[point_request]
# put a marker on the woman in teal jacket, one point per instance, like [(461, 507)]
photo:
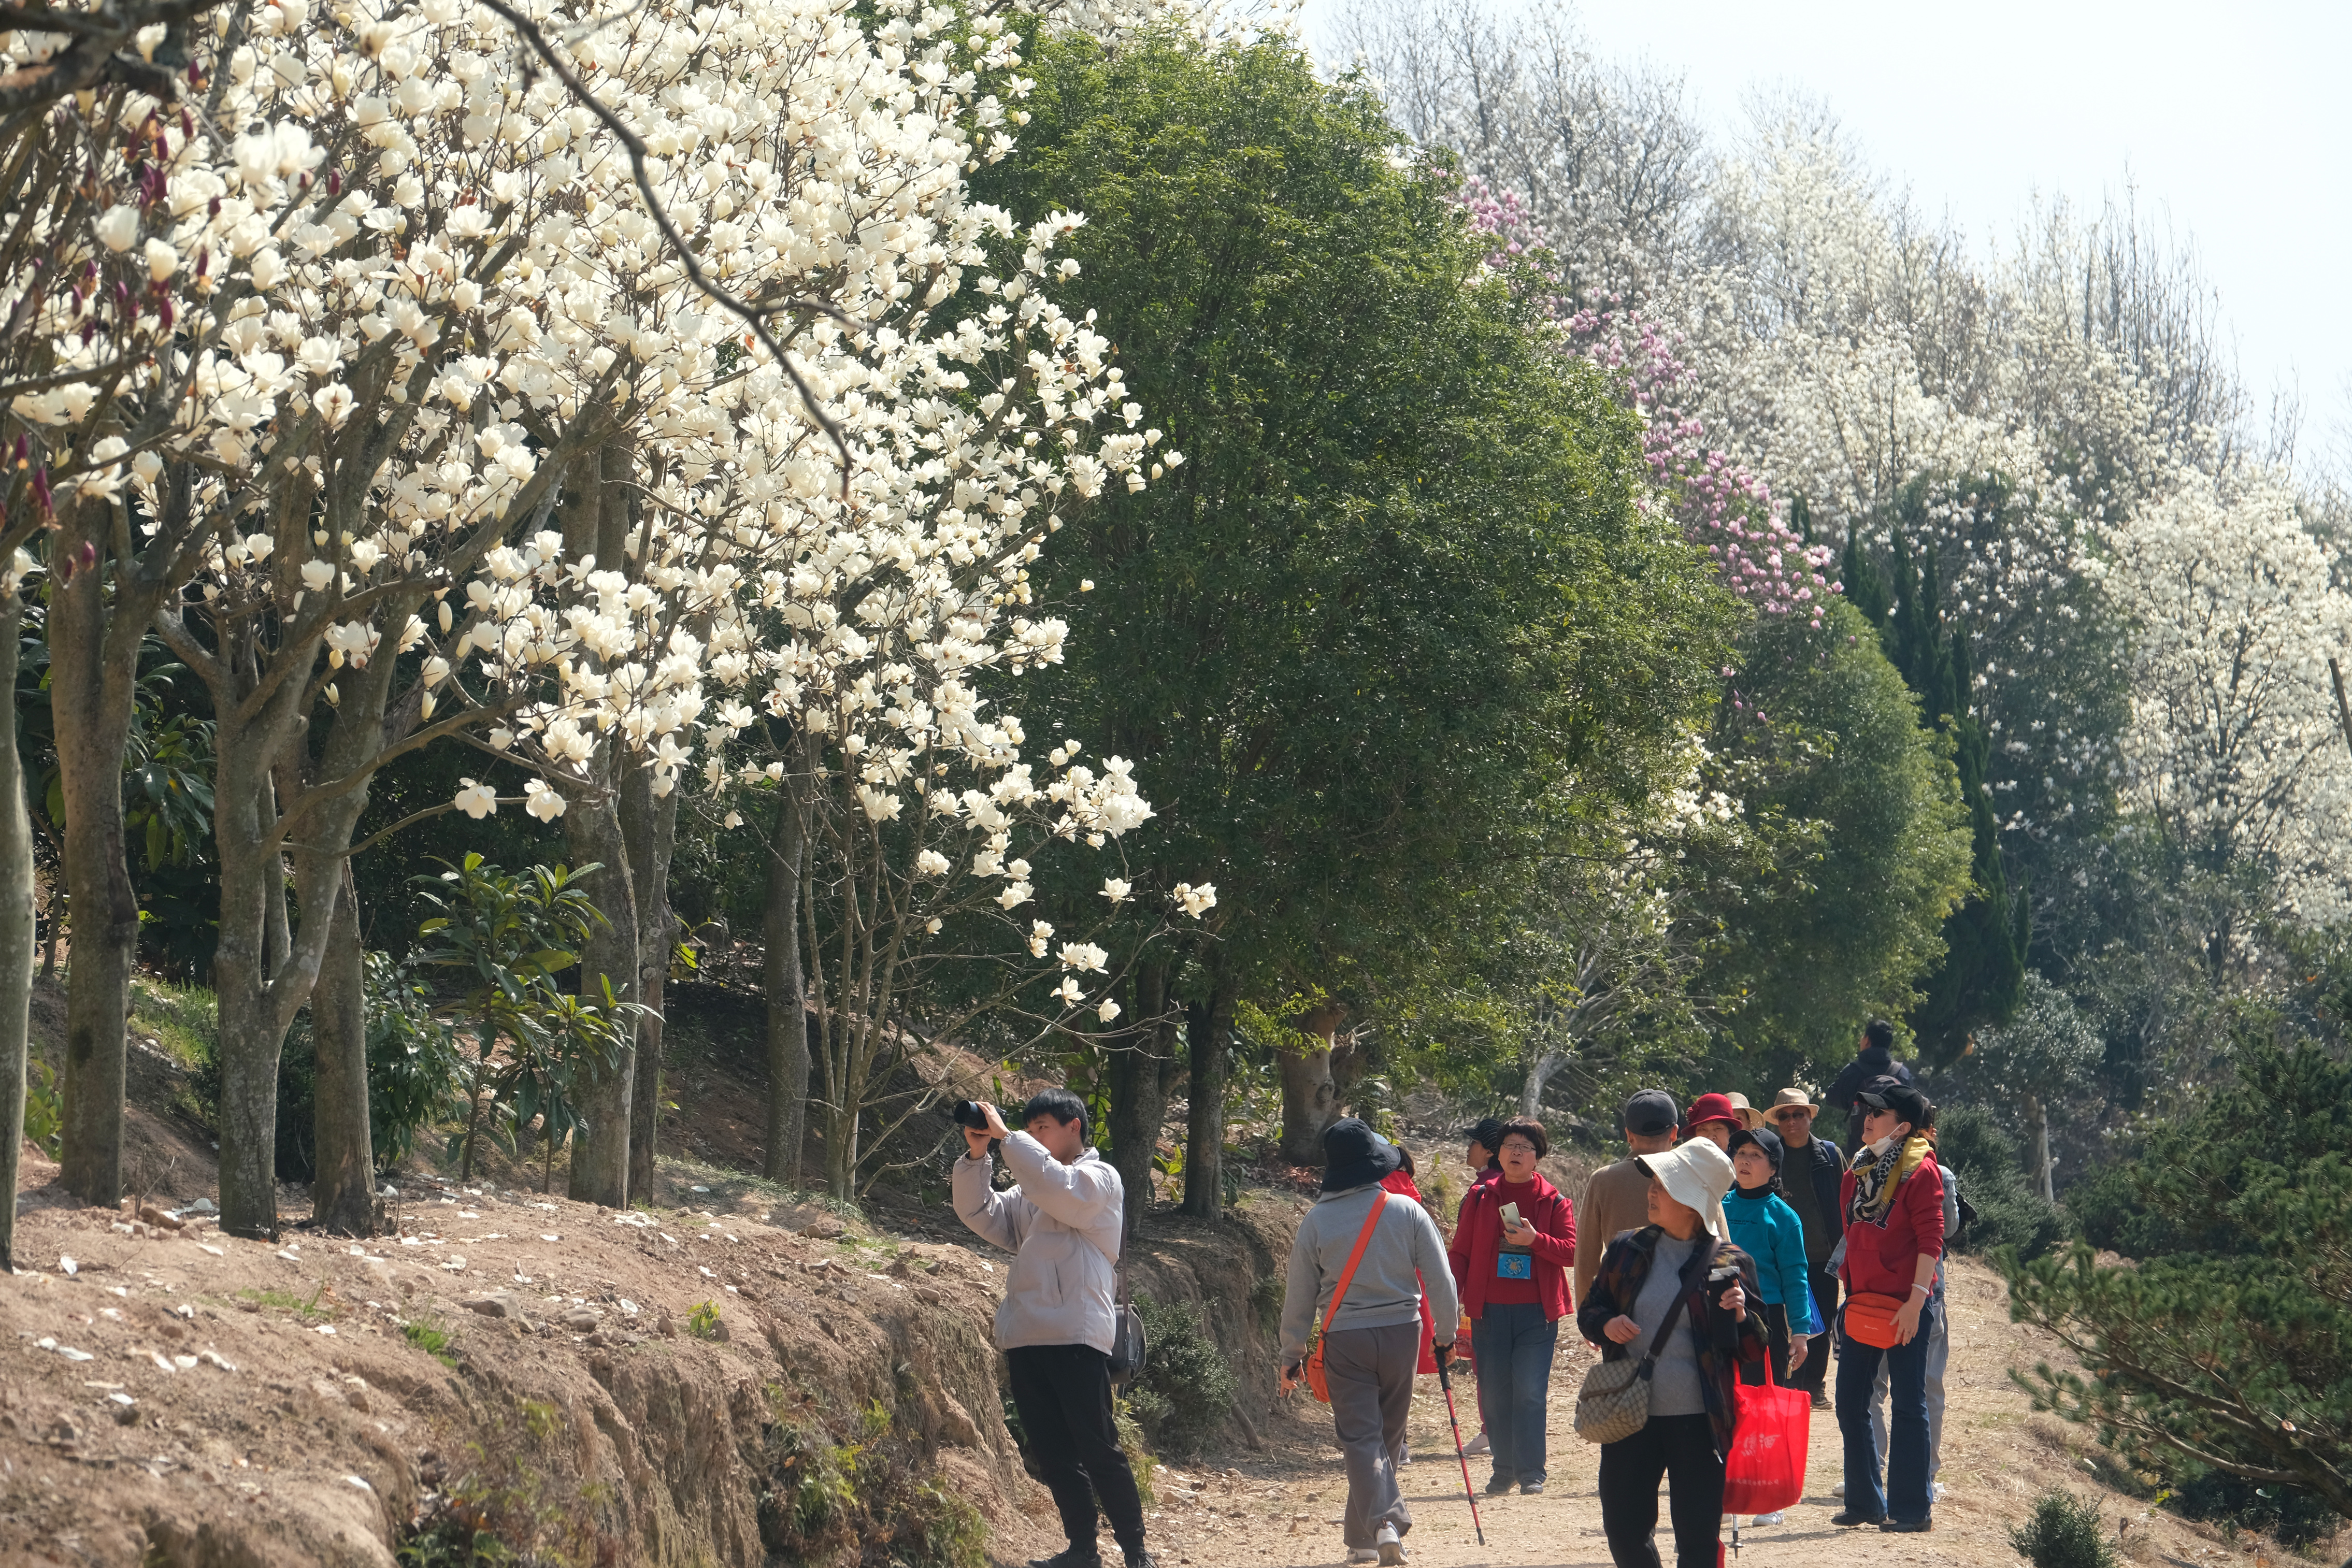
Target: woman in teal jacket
[(1764, 1226)]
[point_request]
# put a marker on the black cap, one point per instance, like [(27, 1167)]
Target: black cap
[(1764, 1138), (1355, 1156), (1893, 1095), (1486, 1132), (1651, 1113)]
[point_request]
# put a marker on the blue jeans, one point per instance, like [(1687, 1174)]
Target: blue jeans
[(1513, 1343), (1905, 1497)]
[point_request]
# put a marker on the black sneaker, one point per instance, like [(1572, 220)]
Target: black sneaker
[(1498, 1485), (1846, 1520), (1908, 1526), (1141, 1560), (1068, 1557), (1531, 1489)]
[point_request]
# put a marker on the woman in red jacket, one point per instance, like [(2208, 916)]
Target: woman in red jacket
[(1894, 1204), (1512, 1272)]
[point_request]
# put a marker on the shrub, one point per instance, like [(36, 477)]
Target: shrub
[(861, 1501), (2064, 1533), (2009, 1212), (1188, 1386), (2291, 1515)]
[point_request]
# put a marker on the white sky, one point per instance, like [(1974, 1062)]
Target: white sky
[(2231, 120)]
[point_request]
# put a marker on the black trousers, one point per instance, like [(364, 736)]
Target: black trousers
[(1682, 1447), (1063, 1392), (1825, 1307)]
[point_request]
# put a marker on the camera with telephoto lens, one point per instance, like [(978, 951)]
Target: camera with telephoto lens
[(973, 1114)]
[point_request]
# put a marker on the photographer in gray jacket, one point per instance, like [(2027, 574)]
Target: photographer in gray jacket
[(1062, 1223), (1371, 1345)]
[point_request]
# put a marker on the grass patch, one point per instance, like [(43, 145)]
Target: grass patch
[(183, 1020), (433, 1340), (860, 1497), (308, 1309)]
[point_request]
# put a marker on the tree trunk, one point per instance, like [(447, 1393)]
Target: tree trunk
[(93, 671), (1206, 1025), (1310, 1099), (780, 975), (2037, 1119), (343, 1195), (1539, 1071), (600, 1154), (16, 928), (649, 828), (1139, 1090), (840, 1114)]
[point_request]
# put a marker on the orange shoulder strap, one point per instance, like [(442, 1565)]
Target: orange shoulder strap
[(1363, 1240)]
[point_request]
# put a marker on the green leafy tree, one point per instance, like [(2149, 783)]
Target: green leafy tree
[(1985, 938), (2226, 1345), (2046, 1056), (1400, 619), (517, 933), (1826, 737)]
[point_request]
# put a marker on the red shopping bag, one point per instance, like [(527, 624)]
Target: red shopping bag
[(1767, 1467)]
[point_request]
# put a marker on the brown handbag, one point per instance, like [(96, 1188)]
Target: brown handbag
[(1614, 1402), (1315, 1381)]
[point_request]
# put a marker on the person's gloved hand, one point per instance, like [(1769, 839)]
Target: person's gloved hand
[(1443, 1354)]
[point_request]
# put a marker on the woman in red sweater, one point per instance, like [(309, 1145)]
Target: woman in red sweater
[(1894, 1204), (1512, 1273)]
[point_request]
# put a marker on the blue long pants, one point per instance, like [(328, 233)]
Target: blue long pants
[(1514, 1342)]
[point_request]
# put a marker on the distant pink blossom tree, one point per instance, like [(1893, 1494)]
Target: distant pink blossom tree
[(1721, 504)]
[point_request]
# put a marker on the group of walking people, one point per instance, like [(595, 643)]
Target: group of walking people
[(1728, 1246), (1725, 1248)]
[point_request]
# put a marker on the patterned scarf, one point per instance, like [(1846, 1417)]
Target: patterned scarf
[(1875, 1177)]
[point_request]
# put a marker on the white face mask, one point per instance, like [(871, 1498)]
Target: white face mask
[(1877, 1149)]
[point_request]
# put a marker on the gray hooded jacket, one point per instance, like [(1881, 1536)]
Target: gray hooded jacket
[(1062, 1224)]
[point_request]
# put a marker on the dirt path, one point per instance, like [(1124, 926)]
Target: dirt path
[(1283, 1513)]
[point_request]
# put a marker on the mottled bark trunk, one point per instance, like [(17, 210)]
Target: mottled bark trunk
[(1539, 1071), (600, 1154), (649, 826), (93, 679), (16, 928), (1311, 1091), (840, 1118), (1207, 1024), (788, 1024), (343, 1195), (1138, 1089)]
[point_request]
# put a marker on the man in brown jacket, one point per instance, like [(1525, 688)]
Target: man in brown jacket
[(1617, 1197)]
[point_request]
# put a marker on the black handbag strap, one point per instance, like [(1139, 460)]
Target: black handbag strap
[(1681, 1296)]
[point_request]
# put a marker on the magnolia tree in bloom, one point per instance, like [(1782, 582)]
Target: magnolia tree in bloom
[(1723, 506), (454, 439), (2234, 747)]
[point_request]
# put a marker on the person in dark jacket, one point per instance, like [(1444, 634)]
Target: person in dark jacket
[(1812, 1169), (1875, 1061), (1694, 1402)]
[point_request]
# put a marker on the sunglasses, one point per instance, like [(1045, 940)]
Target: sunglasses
[(1793, 1115)]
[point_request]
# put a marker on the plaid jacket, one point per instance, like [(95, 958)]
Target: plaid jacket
[(1723, 1342)]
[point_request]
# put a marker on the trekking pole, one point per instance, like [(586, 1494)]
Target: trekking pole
[(1445, 1381)]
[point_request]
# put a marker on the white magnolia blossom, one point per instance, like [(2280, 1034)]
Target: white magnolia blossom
[(2235, 744)]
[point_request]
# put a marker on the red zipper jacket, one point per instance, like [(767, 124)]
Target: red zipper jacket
[(1480, 1236), (1882, 1259)]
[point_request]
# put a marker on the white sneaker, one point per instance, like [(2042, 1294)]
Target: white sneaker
[(1361, 1555), (1936, 1492), (1404, 1458), (1477, 1444), (1774, 1517), (1387, 1547)]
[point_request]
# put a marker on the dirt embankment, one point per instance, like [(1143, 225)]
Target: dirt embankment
[(661, 1387)]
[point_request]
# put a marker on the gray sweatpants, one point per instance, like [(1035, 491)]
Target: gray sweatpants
[(1937, 1327), (1369, 1373)]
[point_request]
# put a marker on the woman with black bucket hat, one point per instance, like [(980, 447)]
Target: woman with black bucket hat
[(1360, 1259)]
